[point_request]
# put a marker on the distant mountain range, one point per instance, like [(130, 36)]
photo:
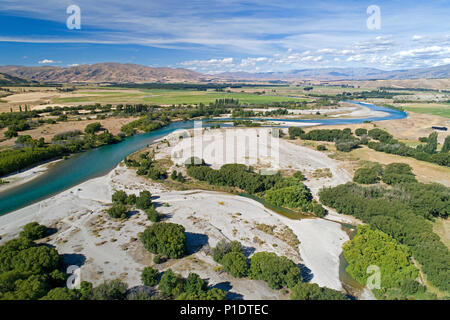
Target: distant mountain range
[(6, 79), (440, 72), (102, 72), (133, 73)]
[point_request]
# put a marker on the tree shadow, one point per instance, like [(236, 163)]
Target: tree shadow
[(145, 292), (195, 241), (306, 273), (70, 259), (234, 296), (50, 232), (248, 251), (226, 286), (132, 213)]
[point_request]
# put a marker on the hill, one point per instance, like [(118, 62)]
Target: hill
[(6, 79), (441, 72), (102, 72)]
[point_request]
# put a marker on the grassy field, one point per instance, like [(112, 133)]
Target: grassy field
[(437, 109), (168, 97)]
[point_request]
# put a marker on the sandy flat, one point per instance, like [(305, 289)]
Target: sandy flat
[(17, 179), (207, 217)]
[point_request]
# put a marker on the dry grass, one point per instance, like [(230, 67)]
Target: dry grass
[(48, 131), (425, 172), (322, 173), (285, 234), (442, 228)]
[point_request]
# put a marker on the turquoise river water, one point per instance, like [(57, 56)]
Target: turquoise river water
[(97, 162)]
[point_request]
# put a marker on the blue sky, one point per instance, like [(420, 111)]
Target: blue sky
[(227, 35)]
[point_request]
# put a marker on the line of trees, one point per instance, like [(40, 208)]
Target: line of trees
[(401, 213), (374, 247), (280, 191), (277, 271)]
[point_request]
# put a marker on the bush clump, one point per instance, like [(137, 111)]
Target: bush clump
[(165, 238)]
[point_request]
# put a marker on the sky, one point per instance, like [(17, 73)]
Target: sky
[(213, 36)]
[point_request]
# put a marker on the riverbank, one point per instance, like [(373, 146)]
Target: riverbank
[(107, 248), (17, 179)]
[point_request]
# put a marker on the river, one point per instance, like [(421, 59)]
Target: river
[(97, 162)]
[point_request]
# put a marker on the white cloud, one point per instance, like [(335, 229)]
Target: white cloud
[(416, 37), (46, 61)]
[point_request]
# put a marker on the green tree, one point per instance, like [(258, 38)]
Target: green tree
[(118, 211), (110, 290), (277, 271), (37, 260), (131, 199), (119, 196), (223, 247), (366, 176), (144, 201), (165, 238), (432, 143), (195, 284), (446, 146), (61, 294), (149, 276), (292, 197), (152, 214), (93, 128), (236, 264), (312, 291), (373, 247), (171, 284), (33, 231), (360, 131)]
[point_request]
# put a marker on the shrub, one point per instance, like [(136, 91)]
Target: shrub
[(195, 285), (165, 238), (119, 197), (299, 176), (380, 135), (152, 214), (149, 276), (366, 176), (321, 147), (155, 173), (312, 291), (277, 271), (360, 131), (110, 290), (235, 263), (295, 132), (395, 173), (144, 201), (118, 211), (131, 199), (171, 284), (347, 145), (223, 247), (157, 259), (92, 127), (33, 231), (293, 197), (318, 210), (373, 247), (61, 294)]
